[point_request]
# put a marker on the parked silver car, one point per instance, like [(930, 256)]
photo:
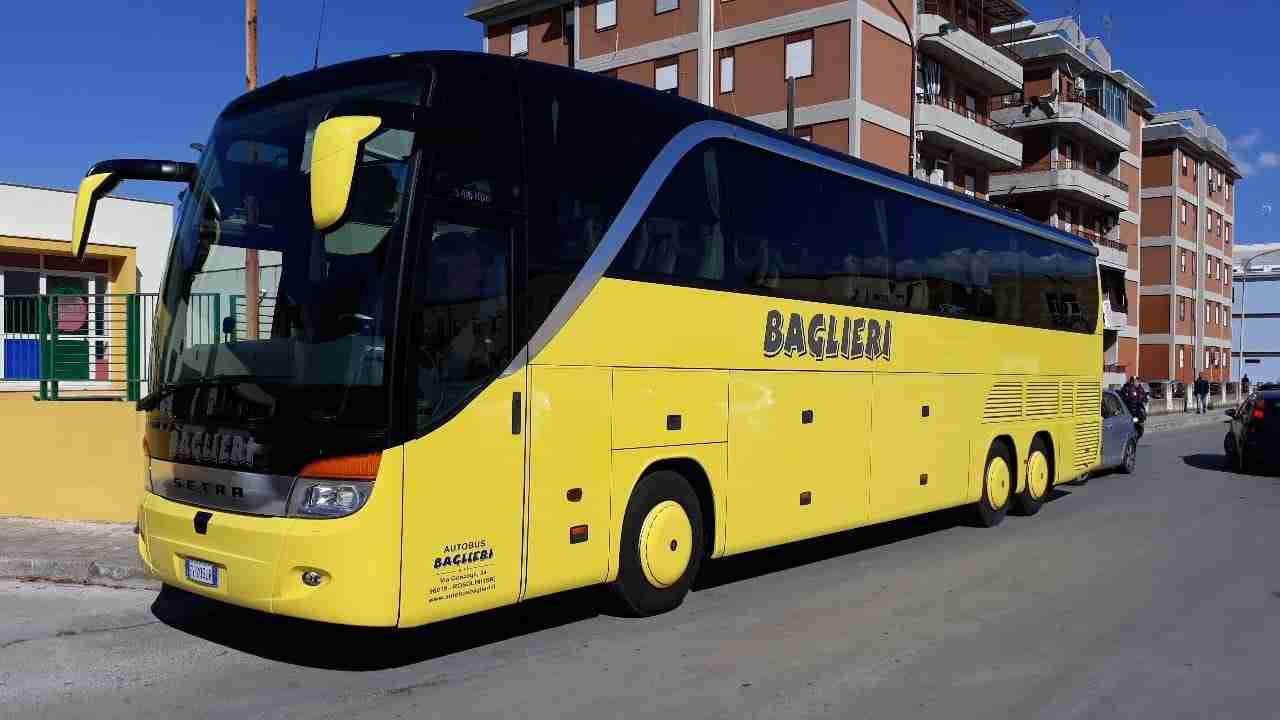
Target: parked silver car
[(1119, 434)]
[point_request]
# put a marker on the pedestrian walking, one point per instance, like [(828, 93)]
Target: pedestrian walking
[(1202, 393)]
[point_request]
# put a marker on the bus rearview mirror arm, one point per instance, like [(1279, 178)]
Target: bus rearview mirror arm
[(103, 177)]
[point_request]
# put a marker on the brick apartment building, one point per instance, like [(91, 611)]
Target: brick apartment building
[(1080, 122), (1031, 115), (1188, 216), (851, 60)]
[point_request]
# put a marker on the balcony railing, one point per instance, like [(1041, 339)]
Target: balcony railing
[(1114, 368), (944, 9), (1018, 99), (955, 107), (1008, 100), (1113, 244), (1074, 165)]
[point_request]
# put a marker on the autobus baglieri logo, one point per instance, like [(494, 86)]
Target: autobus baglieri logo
[(827, 336)]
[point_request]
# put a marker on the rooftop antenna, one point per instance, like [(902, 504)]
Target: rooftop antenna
[(315, 63)]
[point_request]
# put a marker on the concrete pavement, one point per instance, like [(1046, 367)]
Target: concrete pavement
[(1152, 595)]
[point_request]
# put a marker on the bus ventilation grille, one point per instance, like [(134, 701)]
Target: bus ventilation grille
[(1042, 399), (1088, 399), (1088, 436), (1004, 402)]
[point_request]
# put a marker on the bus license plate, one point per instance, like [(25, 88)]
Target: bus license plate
[(205, 573)]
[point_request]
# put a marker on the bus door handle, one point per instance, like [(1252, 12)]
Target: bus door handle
[(517, 417)]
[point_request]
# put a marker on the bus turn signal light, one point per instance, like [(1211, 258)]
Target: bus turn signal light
[(346, 467)]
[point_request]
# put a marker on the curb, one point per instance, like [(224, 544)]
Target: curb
[(81, 573), (1178, 421)]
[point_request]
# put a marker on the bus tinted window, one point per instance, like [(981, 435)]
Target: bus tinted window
[(588, 142), (812, 234)]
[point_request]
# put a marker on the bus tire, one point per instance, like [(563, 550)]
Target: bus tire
[(662, 545), (1039, 478), (997, 486)]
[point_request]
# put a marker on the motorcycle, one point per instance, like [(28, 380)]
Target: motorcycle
[(1139, 414)]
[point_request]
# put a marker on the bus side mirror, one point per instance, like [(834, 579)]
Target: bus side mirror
[(92, 188), (334, 153), (103, 177)]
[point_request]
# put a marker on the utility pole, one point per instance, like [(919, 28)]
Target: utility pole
[(251, 270)]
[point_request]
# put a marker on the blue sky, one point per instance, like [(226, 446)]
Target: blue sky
[(85, 81)]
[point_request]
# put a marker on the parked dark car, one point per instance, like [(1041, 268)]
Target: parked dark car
[(1119, 434), (1253, 439)]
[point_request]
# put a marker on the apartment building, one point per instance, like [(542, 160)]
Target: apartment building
[(1188, 220), (1255, 325), (1080, 122), (851, 60)]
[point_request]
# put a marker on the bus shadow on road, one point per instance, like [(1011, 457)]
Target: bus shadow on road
[(753, 564), (341, 647)]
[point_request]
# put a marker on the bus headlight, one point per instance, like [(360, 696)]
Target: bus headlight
[(328, 498), (334, 487)]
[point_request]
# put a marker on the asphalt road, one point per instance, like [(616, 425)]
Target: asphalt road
[(1154, 595)]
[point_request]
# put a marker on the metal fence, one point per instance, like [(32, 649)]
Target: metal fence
[(64, 345)]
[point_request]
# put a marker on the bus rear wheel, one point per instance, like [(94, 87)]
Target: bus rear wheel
[(997, 486), (1039, 478), (662, 545)]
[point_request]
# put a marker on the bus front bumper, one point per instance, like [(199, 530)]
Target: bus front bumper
[(260, 562)]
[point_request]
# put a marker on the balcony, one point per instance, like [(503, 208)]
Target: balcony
[(1114, 319), (1076, 113), (943, 123), (1074, 179), (967, 49)]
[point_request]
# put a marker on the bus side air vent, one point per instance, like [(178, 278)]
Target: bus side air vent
[(1042, 398), (1088, 399), (1004, 402), (1087, 438)]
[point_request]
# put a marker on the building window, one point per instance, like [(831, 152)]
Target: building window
[(800, 57), (1183, 207), (606, 14), (665, 6), (667, 77), (520, 39), (1182, 261), (726, 71), (970, 183), (1184, 164), (1180, 363), (1182, 308)]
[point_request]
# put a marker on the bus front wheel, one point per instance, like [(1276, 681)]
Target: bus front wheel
[(662, 545), (998, 482)]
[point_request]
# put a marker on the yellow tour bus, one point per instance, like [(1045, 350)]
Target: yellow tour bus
[(489, 329)]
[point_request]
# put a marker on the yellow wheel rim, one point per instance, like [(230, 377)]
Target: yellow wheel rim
[(997, 483), (1037, 475), (666, 543)]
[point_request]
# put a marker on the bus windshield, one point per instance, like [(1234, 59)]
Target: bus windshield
[(308, 338)]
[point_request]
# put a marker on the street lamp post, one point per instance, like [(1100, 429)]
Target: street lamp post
[(911, 82)]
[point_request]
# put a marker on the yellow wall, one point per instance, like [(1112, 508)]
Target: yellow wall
[(70, 460)]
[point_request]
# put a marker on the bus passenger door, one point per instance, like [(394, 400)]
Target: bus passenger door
[(464, 484)]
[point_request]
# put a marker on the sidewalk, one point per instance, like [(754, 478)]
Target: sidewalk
[(78, 552), (1178, 420)]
